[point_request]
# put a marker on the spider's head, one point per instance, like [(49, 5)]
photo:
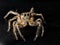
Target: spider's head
[(26, 15)]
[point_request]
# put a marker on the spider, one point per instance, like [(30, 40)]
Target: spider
[(24, 19)]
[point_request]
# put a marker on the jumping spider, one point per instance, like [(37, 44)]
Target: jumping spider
[(22, 20)]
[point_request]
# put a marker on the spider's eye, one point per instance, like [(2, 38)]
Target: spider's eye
[(28, 14), (25, 14)]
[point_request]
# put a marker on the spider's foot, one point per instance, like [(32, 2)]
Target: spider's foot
[(4, 17), (16, 38), (8, 30), (34, 39), (24, 40), (41, 35)]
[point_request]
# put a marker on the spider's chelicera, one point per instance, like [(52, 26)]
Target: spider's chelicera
[(22, 20)]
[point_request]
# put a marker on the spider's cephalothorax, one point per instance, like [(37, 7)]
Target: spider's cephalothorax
[(22, 20)]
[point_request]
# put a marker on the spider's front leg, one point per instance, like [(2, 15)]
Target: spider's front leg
[(11, 12), (38, 22), (20, 33)]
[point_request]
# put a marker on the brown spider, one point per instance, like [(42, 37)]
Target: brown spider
[(22, 20)]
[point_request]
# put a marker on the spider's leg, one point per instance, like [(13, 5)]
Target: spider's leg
[(20, 33), (42, 31), (40, 15), (32, 10), (11, 12), (9, 23), (38, 30), (14, 30), (37, 33)]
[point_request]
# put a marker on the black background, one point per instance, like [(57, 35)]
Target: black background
[(51, 12)]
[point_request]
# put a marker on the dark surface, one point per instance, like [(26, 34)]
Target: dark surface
[(49, 9)]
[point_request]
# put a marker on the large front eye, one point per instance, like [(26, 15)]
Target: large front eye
[(28, 14), (25, 14)]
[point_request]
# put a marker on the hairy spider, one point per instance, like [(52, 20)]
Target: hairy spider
[(22, 20)]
